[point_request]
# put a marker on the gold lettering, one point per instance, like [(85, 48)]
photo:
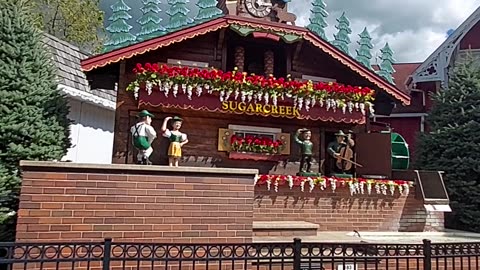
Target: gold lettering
[(231, 105), (282, 110), (265, 110), (250, 108), (258, 108), (296, 113), (242, 106), (289, 110), (225, 105), (274, 110)]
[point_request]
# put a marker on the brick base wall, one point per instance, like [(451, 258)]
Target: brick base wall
[(339, 211), (130, 203)]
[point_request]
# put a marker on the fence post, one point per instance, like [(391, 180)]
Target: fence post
[(427, 254), (297, 253), (107, 250)]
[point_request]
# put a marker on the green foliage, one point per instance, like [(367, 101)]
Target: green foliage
[(318, 17), (386, 67), (178, 12), (33, 112), (342, 39), (208, 10), (363, 53), (453, 142), (150, 21), (79, 22), (119, 29)]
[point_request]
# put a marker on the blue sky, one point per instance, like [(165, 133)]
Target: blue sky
[(413, 28)]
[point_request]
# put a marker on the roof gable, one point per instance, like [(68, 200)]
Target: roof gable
[(226, 21)]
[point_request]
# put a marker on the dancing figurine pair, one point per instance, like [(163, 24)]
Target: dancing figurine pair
[(143, 135)]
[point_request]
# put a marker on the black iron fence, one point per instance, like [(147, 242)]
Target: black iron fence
[(295, 255)]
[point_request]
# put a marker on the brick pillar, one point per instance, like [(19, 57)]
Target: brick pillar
[(240, 58), (269, 60)]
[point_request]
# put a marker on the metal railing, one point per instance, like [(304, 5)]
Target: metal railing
[(108, 255)]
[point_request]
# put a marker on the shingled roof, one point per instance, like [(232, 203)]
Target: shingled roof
[(72, 80)]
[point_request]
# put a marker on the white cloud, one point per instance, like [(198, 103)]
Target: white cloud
[(414, 29)]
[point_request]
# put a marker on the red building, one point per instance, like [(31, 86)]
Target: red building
[(422, 79)]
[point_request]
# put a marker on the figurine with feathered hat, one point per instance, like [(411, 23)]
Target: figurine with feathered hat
[(143, 135), (177, 139)]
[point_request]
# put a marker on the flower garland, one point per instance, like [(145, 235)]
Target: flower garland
[(255, 145), (241, 86), (355, 185)]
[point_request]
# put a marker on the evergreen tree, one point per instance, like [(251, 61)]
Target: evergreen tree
[(342, 39), (386, 67), (318, 18), (33, 112), (453, 142), (119, 29), (208, 10), (363, 53), (150, 21), (178, 15)]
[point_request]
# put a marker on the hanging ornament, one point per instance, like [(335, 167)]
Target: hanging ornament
[(350, 106), (369, 188), (321, 103), (328, 104), (351, 187), (222, 93), (333, 184), (266, 97), (189, 91), (274, 100), (290, 181), (149, 86), (243, 96), (392, 189), (295, 98), (300, 103), (356, 106), (344, 109), (184, 88), (237, 93), (206, 86), (135, 92), (259, 96), (282, 96), (175, 90), (362, 108), (314, 101), (228, 94), (249, 97), (166, 89), (199, 91), (312, 184), (362, 187), (307, 104)]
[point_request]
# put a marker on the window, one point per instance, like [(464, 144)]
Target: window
[(256, 132)]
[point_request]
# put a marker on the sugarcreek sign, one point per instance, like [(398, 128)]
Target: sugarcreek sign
[(212, 103), (263, 109)]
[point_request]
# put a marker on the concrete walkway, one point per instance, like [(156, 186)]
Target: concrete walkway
[(448, 236)]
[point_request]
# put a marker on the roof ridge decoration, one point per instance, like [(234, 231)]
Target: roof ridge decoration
[(208, 10), (364, 54), (435, 67), (150, 21), (247, 30), (318, 17), (178, 13), (342, 38), (386, 67), (119, 29)]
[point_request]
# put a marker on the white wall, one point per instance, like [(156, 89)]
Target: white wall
[(91, 133)]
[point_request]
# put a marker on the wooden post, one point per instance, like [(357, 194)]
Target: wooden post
[(240, 58)]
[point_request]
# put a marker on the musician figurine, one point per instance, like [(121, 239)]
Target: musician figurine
[(143, 135), (341, 150), (177, 139), (303, 138)]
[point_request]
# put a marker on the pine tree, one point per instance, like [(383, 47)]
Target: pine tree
[(363, 53), (178, 15), (453, 142), (33, 112), (150, 21), (386, 67), (317, 19), (208, 10), (119, 29), (342, 39)]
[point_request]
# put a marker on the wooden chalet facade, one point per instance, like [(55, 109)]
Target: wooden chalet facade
[(252, 46)]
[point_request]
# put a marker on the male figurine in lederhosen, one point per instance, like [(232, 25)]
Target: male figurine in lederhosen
[(306, 147), (143, 135)]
